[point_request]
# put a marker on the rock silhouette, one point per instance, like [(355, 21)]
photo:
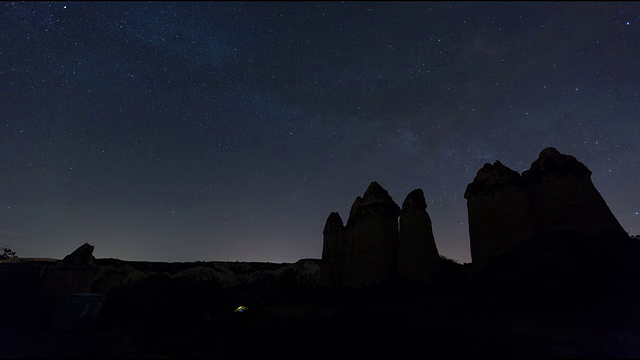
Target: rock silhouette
[(565, 200), (380, 250), (334, 251), (74, 274), (418, 257), (372, 240), (555, 196), (499, 212), (548, 239)]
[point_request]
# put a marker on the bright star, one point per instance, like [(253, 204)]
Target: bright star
[(628, 23)]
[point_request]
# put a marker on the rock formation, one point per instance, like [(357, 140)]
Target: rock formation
[(499, 211), (74, 274), (555, 196), (375, 249), (372, 240), (418, 257), (564, 199), (334, 248)]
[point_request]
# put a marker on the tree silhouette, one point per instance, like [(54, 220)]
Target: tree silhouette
[(7, 253)]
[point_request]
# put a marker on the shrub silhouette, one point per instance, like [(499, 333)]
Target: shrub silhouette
[(7, 253)]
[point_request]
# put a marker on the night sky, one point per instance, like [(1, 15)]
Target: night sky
[(211, 131)]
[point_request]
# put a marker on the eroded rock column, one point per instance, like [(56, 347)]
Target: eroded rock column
[(418, 257), (334, 249), (564, 198), (372, 240), (499, 212)]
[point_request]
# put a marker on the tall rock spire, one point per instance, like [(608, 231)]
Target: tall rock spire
[(499, 212), (333, 252), (418, 257), (372, 240)]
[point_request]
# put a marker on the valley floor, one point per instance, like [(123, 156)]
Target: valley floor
[(422, 327)]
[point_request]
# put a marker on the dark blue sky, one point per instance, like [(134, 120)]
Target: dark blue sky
[(184, 131)]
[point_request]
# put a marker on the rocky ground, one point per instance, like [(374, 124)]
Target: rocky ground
[(162, 315), (390, 330)]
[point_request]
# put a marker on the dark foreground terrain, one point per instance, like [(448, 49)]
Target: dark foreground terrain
[(395, 328), (568, 308)]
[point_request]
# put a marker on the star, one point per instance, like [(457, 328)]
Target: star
[(164, 99)]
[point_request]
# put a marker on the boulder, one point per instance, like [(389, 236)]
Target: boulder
[(80, 258), (74, 274)]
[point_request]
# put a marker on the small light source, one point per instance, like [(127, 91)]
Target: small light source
[(241, 309), (628, 23)]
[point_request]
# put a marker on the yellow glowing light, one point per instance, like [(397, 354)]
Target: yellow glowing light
[(241, 308)]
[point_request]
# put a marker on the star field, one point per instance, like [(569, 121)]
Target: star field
[(184, 131)]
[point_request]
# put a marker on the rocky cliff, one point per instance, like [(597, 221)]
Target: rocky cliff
[(564, 199), (554, 196)]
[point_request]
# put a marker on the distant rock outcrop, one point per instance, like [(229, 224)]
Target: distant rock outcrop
[(372, 238), (555, 196), (74, 274), (499, 211), (334, 251), (307, 272), (204, 274), (112, 277), (418, 257)]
